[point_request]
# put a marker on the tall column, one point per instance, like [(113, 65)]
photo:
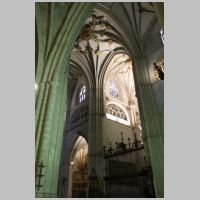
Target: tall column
[(43, 143), (151, 124), (95, 143), (58, 25)]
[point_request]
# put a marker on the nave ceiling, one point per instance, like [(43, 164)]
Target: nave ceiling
[(113, 28)]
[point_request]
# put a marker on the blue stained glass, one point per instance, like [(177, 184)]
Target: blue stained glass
[(82, 94)]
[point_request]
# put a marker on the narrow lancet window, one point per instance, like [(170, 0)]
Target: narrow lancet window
[(82, 94), (162, 34)]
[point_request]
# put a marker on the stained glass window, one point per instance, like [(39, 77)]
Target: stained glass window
[(82, 94), (114, 92)]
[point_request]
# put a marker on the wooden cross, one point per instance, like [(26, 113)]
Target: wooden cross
[(40, 175)]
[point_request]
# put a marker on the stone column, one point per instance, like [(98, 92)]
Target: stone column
[(95, 143), (47, 143), (57, 32), (151, 125)]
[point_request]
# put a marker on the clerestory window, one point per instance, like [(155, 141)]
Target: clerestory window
[(162, 35), (82, 94), (114, 92)]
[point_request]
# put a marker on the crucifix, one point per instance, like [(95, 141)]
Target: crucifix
[(40, 175)]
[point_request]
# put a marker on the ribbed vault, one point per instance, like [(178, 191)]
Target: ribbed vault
[(113, 28)]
